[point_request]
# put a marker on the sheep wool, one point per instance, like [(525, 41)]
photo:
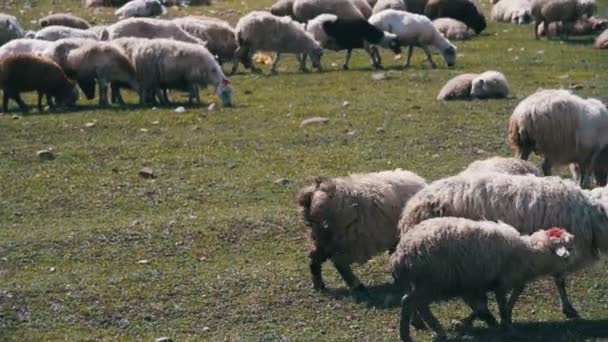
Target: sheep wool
[(512, 11), (64, 19), (53, 33), (304, 10), (510, 166), (382, 5), (458, 88), (463, 10), (218, 34), (150, 28), (10, 28), (601, 42), (453, 29), (141, 8)]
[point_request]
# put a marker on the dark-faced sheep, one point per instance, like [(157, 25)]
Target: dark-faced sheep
[(22, 73), (354, 218), (447, 257), (463, 10), (63, 19)]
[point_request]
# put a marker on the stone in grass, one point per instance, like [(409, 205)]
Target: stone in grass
[(211, 107), (180, 109), (378, 76), (47, 154), (147, 173), (282, 181), (313, 120)]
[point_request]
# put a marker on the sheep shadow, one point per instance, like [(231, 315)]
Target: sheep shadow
[(381, 296), (554, 331)]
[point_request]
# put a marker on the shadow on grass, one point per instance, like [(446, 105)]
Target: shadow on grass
[(554, 331), (383, 296)]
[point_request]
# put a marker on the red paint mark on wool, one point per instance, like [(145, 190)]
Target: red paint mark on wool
[(556, 232)]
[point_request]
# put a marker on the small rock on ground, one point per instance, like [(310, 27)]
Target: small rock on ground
[(147, 172), (46, 154), (282, 181), (313, 120)]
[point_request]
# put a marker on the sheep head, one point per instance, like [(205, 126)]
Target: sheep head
[(315, 57), (224, 92), (558, 240)]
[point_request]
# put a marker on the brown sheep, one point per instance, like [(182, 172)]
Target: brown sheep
[(61, 19), (21, 73), (463, 10)]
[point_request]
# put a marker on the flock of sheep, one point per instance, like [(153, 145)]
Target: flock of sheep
[(525, 225)]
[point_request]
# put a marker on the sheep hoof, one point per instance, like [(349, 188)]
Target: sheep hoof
[(319, 287), (306, 70), (378, 66), (571, 313), (438, 338), (345, 67)]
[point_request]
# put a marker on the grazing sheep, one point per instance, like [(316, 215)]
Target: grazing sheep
[(151, 29), (581, 27), (510, 166), (453, 29), (141, 8), (415, 30), (164, 63), (512, 11), (20, 73), (447, 257), (263, 31), (354, 218), (218, 34), (337, 34), (382, 5), (548, 11), (304, 10), (528, 203), (63, 19), (53, 33), (562, 127), (463, 10), (601, 42), (9, 29)]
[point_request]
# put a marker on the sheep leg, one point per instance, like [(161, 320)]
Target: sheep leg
[(316, 262), (5, 99), (373, 53), (503, 309), (115, 94), (427, 51), (479, 305), (428, 317), (40, 95), (409, 56), (536, 25), (513, 299), (21, 104), (546, 166), (276, 61), (588, 168), (349, 277), (347, 61), (49, 101), (408, 307), (103, 92), (303, 62), (601, 177), (235, 65), (378, 58), (567, 307)]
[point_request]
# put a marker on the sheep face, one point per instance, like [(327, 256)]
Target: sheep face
[(558, 240), (449, 55), (521, 17), (391, 41), (69, 98), (315, 57), (224, 92), (478, 23)]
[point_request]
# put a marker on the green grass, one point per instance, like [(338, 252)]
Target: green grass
[(226, 250)]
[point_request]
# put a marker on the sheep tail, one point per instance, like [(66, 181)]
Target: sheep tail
[(305, 196), (515, 138)]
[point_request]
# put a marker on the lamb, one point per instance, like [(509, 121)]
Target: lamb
[(601, 42), (63, 19), (354, 218), (141, 8), (458, 88), (509, 166), (263, 31), (439, 259), (526, 202), (218, 35), (463, 10), (53, 33), (151, 29), (512, 11), (581, 27), (9, 29), (164, 63), (453, 29), (337, 34), (562, 127), (382, 5), (546, 12), (489, 84), (19, 73), (415, 30)]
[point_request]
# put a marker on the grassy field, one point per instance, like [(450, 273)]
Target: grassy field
[(212, 248)]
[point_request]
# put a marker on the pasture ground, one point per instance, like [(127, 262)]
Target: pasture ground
[(212, 248)]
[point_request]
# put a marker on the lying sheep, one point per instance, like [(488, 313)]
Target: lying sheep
[(164, 63), (581, 27), (463, 10), (354, 218), (305, 10), (382, 5), (218, 34), (336, 34), (415, 30), (490, 85), (21, 73), (449, 257), (601, 42), (453, 29), (53, 33), (512, 11), (151, 29), (528, 203), (458, 88), (9, 29), (560, 126), (510, 166), (63, 19), (546, 12), (141, 8), (263, 31)]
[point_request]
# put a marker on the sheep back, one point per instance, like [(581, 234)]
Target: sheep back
[(490, 84), (304, 10), (453, 29), (463, 10), (511, 166), (151, 29), (512, 11), (218, 35), (601, 42), (53, 33), (63, 19), (458, 88), (282, 8), (382, 5)]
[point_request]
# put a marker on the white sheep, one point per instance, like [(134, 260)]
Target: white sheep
[(382, 5), (415, 30), (150, 28), (562, 127), (526, 202), (601, 42), (53, 33), (263, 31), (548, 11), (512, 11), (164, 63), (489, 84), (354, 218), (304, 10), (511, 166), (447, 257), (141, 8), (10, 28), (24, 46), (453, 29)]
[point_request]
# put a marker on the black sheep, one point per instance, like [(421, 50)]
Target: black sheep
[(463, 10)]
